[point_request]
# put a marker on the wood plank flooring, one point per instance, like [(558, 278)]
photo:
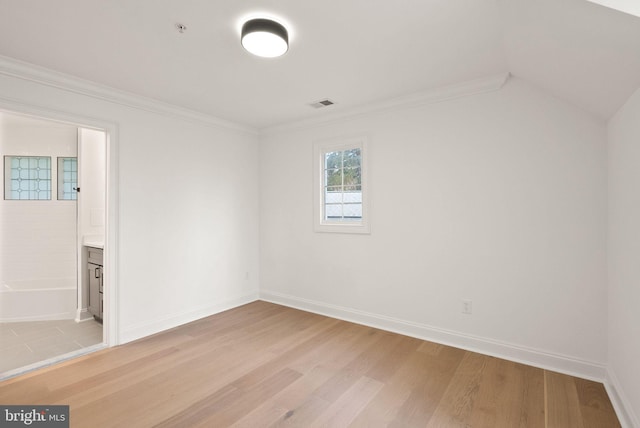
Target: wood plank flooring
[(263, 365)]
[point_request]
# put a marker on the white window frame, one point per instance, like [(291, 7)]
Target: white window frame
[(320, 148)]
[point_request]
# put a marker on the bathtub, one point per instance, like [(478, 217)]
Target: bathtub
[(38, 300)]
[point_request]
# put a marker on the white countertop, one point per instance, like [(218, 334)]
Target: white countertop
[(93, 241)]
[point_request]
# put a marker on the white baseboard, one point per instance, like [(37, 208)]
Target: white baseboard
[(150, 327), (533, 357), (628, 419), (83, 315)]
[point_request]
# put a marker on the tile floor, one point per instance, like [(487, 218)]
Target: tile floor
[(25, 343)]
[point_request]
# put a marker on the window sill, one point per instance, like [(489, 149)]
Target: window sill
[(362, 229)]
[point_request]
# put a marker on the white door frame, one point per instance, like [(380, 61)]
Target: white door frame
[(111, 334)]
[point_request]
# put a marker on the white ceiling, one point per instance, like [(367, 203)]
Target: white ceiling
[(354, 52)]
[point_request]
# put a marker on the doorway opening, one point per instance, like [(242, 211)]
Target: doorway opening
[(53, 230)]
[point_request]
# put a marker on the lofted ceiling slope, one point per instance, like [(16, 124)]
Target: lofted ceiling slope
[(354, 52)]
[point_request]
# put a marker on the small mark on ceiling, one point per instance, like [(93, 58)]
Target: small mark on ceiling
[(322, 103)]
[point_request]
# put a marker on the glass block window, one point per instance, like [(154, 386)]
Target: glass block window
[(340, 186), (67, 179), (27, 178)]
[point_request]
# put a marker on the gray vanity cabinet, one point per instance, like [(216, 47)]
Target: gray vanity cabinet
[(96, 275)]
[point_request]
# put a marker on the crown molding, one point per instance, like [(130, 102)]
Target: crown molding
[(30, 72), (431, 96), (33, 73)]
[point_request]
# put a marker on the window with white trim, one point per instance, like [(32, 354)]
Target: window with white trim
[(27, 178), (340, 186)]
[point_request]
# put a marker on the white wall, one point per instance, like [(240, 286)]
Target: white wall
[(92, 172), (37, 238), (189, 218), (188, 203), (624, 255), (499, 198)]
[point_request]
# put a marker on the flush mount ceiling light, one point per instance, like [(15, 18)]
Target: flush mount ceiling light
[(265, 38)]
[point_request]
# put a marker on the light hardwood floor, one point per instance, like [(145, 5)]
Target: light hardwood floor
[(267, 365)]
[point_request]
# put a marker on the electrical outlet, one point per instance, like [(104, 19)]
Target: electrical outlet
[(467, 307)]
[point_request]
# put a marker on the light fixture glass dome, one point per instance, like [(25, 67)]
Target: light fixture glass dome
[(265, 38)]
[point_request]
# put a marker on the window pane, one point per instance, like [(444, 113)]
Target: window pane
[(352, 176), (67, 179), (352, 197), (333, 160), (333, 211), (27, 178), (333, 177), (352, 158), (343, 185), (353, 211), (333, 195)]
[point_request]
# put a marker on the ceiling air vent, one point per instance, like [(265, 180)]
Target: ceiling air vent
[(322, 103)]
